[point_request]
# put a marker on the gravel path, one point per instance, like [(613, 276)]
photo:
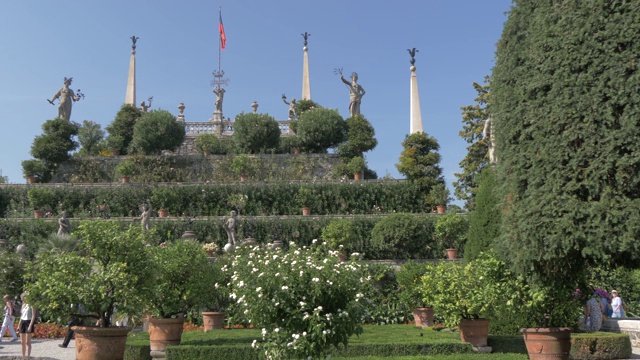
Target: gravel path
[(41, 349)]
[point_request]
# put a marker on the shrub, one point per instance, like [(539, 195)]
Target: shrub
[(409, 283), (450, 230), (243, 165), (34, 168), (211, 143), (121, 128), (339, 234), (360, 137), (401, 236), (256, 133), (419, 161), (42, 198), (305, 300), (127, 167), (90, 136), (55, 143), (155, 131), (320, 129), (484, 220)]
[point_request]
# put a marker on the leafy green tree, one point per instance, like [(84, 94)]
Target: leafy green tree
[(473, 118), (565, 107), (256, 133), (360, 137), (3, 179), (419, 161), (320, 129), (122, 127), (54, 145), (155, 131), (484, 220), (89, 136)]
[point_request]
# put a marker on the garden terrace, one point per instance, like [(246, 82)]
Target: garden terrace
[(190, 168), (214, 199)]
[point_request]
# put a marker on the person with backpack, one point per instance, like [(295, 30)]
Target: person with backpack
[(9, 319)]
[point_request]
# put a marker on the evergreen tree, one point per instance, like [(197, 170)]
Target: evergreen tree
[(256, 133), (320, 129), (55, 143), (567, 119), (484, 220), (155, 131), (360, 137), (89, 136), (122, 128), (419, 161), (473, 118)]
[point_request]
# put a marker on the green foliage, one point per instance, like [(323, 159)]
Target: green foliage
[(383, 305), (90, 135), (304, 105), (121, 128), (402, 236), (451, 230), (484, 220), (243, 165), (320, 129), (155, 131), (307, 197), (256, 133), (166, 197), (178, 288), (54, 145), (419, 160), (357, 165), (127, 167), (360, 137), (339, 233), (114, 273), (470, 291), (473, 119), (600, 346), (566, 122), (317, 299), (34, 168), (409, 282), (211, 143), (11, 278), (42, 198), (438, 195)]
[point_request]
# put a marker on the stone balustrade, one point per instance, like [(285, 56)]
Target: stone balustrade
[(224, 128)]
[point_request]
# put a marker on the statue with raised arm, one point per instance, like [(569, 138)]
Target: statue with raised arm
[(219, 91), (229, 225), (292, 107), (490, 139), (356, 92), (67, 97), (144, 106), (64, 226), (413, 52)]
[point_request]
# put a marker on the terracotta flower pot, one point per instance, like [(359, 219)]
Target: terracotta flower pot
[(440, 209), (296, 151), (38, 214), (474, 331), (423, 317), (306, 211), (31, 180), (452, 254), (213, 320), (95, 343), (125, 179), (357, 176), (547, 343), (163, 213), (342, 256), (163, 332)]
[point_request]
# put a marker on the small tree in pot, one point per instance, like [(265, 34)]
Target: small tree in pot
[(340, 236), (450, 231), (110, 270), (409, 278)]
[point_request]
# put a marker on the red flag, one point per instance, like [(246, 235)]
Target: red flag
[(223, 36)]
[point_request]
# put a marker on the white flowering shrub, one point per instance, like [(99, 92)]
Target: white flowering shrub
[(305, 300)]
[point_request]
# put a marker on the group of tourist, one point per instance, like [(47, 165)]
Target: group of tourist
[(600, 306), (27, 322)]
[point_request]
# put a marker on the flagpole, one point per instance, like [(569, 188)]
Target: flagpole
[(219, 40)]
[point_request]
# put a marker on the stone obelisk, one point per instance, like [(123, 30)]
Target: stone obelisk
[(306, 88), (130, 97), (416, 116)]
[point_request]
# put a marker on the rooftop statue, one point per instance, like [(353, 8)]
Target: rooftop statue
[(67, 97), (356, 92)]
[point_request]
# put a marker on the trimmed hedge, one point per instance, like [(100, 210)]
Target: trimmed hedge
[(214, 199), (600, 345)]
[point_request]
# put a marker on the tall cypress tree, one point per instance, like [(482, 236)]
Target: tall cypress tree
[(565, 100)]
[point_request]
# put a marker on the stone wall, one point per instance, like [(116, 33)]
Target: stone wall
[(630, 326)]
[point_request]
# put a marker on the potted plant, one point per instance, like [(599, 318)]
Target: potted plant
[(438, 197), (164, 197), (306, 197), (243, 166), (108, 271), (340, 236), (177, 289), (33, 170), (41, 199), (207, 143), (450, 232), (217, 300), (356, 166), (210, 248), (409, 279), (464, 294), (114, 143), (126, 169)]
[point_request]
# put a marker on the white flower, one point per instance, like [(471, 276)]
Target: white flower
[(314, 241), (315, 280), (254, 344), (233, 296), (302, 303), (277, 274), (264, 332), (258, 289), (296, 252), (304, 333), (276, 330), (246, 312), (285, 287), (241, 284), (216, 285), (301, 272)]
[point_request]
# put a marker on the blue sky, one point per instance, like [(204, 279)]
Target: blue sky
[(43, 41)]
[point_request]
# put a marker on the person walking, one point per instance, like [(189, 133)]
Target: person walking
[(74, 320), (616, 305), (27, 325), (9, 319)]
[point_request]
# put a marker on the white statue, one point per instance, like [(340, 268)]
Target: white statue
[(229, 225), (489, 137)]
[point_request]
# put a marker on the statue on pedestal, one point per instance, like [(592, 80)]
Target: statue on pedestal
[(292, 107), (144, 107), (413, 52), (64, 226), (67, 97), (145, 218), (229, 225), (356, 92)]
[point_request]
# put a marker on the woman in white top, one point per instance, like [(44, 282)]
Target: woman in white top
[(9, 318), (27, 325), (616, 305)]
